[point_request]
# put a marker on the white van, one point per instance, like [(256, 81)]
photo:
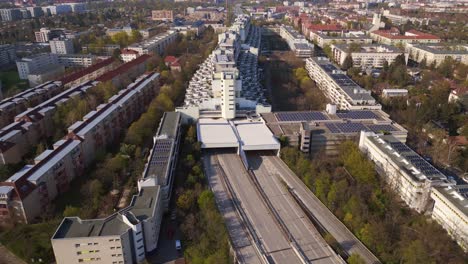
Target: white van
[(178, 246)]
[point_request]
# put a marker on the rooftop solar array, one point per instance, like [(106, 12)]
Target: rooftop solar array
[(358, 127), (419, 163), (300, 116), (159, 158), (343, 80), (400, 147), (328, 67), (357, 115)]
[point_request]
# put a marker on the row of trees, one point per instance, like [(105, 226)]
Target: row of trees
[(350, 188), (202, 225)]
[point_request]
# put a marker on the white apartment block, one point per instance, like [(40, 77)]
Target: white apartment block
[(296, 42), (156, 44), (338, 87), (436, 53), (126, 236), (10, 14), (226, 84), (368, 56), (407, 173), (390, 93), (61, 46), (451, 211), (30, 191), (393, 37), (77, 60), (35, 63), (322, 39), (7, 54)]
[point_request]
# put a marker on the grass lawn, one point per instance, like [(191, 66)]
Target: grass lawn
[(11, 83)]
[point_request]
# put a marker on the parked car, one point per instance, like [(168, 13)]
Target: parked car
[(178, 246)]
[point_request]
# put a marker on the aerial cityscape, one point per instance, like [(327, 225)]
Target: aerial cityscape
[(234, 131)]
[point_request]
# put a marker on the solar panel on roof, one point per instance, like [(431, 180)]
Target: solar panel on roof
[(357, 115), (400, 147), (350, 127), (300, 116), (332, 127)]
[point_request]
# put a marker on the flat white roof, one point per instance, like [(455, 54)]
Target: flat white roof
[(256, 136), (216, 133)]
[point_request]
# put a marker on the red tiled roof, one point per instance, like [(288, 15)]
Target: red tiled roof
[(123, 68), (320, 27), (76, 75), (170, 59), (394, 34), (129, 51)]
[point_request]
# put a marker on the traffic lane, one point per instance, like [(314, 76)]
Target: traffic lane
[(269, 233), (326, 218), (301, 228)]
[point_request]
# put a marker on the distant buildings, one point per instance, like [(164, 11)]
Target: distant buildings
[(164, 15), (106, 50), (323, 39), (156, 44), (45, 34), (129, 234), (39, 68), (338, 87), (366, 56), (7, 54), (28, 193), (296, 42), (61, 46), (393, 37), (390, 93), (10, 14), (129, 55), (436, 53), (76, 60)]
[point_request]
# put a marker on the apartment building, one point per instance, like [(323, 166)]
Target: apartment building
[(10, 14), (322, 39), (77, 60), (368, 56), (61, 46), (34, 124), (451, 211), (45, 34), (390, 93), (164, 15), (36, 63), (393, 37), (407, 173), (29, 192), (89, 73), (7, 54), (226, 84), (35, 11), (317, 132), (156, 44), (43, 75), (296, 42), (338, 87), (127, 235), (436, 53), (106, 50), (122, 74), (129, 55), (12, 106)]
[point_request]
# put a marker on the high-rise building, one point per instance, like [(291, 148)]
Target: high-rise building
[(10, 14), (61, 46), (35, 63), (7, 54)]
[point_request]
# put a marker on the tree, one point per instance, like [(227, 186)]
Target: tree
[(71, 211), (446, 67), (415, 253), (355, 259), (347, 63)]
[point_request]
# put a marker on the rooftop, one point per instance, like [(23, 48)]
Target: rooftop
[(410, 34), (457, 195)]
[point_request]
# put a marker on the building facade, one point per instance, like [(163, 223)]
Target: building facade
[(437, 53), (338, 87), (62, 46), (7, 54), (367, 56)]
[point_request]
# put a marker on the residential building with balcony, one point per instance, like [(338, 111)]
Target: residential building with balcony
[(393, 37), (338, 87), (61, 46), (156, 44), (367, 56), (7, 54), (296, 42), (407, 173), (437, 53), (323, 38)]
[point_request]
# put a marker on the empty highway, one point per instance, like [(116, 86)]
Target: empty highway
[(297, 223), (324, 216)]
